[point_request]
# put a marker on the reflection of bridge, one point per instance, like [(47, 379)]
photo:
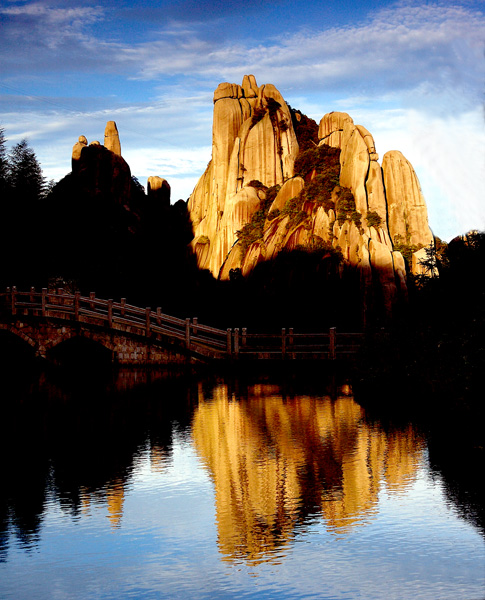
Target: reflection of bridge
[(141, 336)]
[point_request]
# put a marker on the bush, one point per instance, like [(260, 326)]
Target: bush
[(255, 183), (253, 231), (306, 129), (273, 214), (407, 250), (346, 206), (272, 106), (322, 158), (373, 219), (257, 115)]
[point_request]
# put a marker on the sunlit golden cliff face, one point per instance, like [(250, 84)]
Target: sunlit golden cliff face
[(276, 462)]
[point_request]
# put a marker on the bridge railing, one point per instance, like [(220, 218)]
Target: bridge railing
[(190, 333), (141, 321)]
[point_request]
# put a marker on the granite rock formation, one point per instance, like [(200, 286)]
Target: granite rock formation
[(158, 189), (407, 213), (372, 214), (252, 139), (112, 138)]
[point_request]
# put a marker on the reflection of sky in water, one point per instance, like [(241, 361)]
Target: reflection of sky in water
[(409, 545)]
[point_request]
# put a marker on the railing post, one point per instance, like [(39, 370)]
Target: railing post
[(13, 298), (244, 334), (195, 322), (283, 342), (236, 341), (32, 292), (110, 313), (77, 296), (147, 320), (332, 349), (159, 315), (290, 338), (44, 301), (228, 339), (123, 303), (92, 296), (187, 333)]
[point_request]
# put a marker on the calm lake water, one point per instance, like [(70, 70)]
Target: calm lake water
[(145, 486)]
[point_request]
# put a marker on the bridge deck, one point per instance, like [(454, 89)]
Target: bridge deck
[(190, 336)]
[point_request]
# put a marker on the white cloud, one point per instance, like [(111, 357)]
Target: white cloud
[(412, 74), (398, 48), (448, 155)]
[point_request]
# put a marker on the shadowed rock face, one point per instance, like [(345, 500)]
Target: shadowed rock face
[(158, 189)]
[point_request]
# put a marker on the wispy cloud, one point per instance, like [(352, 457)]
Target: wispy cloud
[(411, 73)]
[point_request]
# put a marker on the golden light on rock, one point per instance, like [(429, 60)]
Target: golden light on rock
[(277, 462)]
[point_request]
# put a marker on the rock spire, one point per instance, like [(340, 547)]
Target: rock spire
[(112, 138), (252, 139)]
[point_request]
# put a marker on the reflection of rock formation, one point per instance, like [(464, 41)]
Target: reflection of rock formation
[(276, 461), (113, 496)]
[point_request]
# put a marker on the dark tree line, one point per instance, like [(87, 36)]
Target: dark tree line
[(94, 230), (22, 191)]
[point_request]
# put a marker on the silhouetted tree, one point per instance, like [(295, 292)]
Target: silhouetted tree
[(23, 189), (25, 173), (3, 164)]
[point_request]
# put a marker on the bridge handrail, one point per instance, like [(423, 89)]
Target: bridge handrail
[(148, 321)]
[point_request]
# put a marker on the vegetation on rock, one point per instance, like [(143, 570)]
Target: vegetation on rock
[(407, 250), (253, 231), (373, 219), (306, 129), (345, 207), (324, 159)]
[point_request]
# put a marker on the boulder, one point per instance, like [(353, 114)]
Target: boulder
[(290, 189), (158, 189), (331, 128), (77, 149)]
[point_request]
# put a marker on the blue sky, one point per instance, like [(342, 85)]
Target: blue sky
[(411, 72)]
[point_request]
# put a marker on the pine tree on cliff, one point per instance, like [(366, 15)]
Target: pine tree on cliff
[(3, 165), (23, 188), (25, 174)]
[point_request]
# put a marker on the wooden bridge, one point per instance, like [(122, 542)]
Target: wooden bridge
[(142, 336)]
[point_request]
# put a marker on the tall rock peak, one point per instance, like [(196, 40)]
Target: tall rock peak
[(408, 215), (252, 140), (112, 138), (260, 196)]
